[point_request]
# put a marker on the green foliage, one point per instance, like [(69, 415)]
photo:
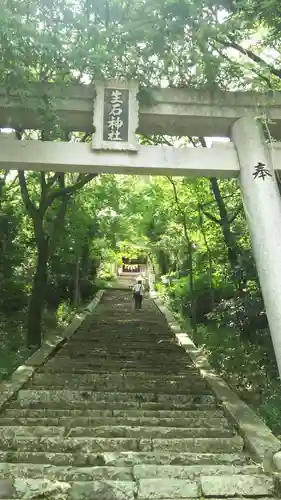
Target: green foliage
[(249, 368), (68, 231)]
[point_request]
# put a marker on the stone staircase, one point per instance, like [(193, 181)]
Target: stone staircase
[(121, 413), (124, 281)]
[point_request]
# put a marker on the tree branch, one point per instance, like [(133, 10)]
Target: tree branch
[(51, 181), (12, 185), (203, 142), (253, 70), (211, 217), (85, 137), (165, 141), (43, 186), (69, 189), (231, 219), (31, 209), (249, 53), (175, 193), (192, 141), (180, 211), (58, 224)]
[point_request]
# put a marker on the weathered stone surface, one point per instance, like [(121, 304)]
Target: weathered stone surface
[(65, 473), (122, 459), (7, 489), (158, 489), (259, 439), (20, 376), (30, 431), (121, 413), (41, 488), (148, 432), (223, 486), (89, 383), (74, 445), (199, 445), (119, 405), (40, 356), (73, 396), (14, 411), (192, 471), (277, 461), (192, 426), (105, 490)]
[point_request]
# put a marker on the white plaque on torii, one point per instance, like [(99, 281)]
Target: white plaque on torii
[(116, 116)]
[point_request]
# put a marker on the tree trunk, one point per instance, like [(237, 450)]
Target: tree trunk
[(163, 261), (209, 254), (76, 295), (189, 252), (37, 299), (85, 262), (229, 238), (191, 283)]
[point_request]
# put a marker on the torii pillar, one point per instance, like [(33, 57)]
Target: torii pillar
[(262, 205)]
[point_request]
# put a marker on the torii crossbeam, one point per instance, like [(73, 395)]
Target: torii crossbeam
[(174, 112)]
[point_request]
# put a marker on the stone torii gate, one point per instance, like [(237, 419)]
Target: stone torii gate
[(179, 112)]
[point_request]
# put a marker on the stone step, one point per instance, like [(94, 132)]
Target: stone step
[(169, 391), (130, 355), (118, 369), (101, 345), (110, 361), (105, 405), (73, 384), (163, 348), (74, 412), (102, 337), (162, 401), (120, 383), (124, 459), (103, 340), (148, 432), (89, 444), (124, 326), (146, 489), (24, 488), (189, 378), (62, 473), (120, 347), (107, 365), (142, 358), (134, 351), (122, 413), (137, 473), (237, 486), (76, 369), (114, 432), (83, 421), (191, 375), (192, 471), (215, 486)]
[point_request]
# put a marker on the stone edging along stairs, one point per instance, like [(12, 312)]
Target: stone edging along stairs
[(258, 438), (117, 410)]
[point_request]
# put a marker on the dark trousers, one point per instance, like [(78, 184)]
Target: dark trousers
[(138, 301)]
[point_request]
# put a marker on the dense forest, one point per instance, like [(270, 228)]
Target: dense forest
[(60, 233)]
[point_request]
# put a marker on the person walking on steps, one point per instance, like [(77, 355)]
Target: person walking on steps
[(138, 295)]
